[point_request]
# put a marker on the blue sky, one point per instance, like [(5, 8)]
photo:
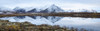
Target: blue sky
[(64, 4)]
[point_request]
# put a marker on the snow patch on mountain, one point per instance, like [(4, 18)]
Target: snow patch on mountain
[(81, 10)]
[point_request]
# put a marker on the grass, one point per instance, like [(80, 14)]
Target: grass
[(5, 25)]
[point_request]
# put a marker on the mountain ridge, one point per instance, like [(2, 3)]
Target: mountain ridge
[(50, 9)]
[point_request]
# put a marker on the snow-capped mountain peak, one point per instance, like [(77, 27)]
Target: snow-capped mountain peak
[(53, 9), (54, 6), (19, 10)]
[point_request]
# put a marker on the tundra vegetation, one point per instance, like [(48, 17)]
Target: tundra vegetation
[(63, 14), (6, 25)]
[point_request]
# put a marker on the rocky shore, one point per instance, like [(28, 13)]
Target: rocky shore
[(5, 25)]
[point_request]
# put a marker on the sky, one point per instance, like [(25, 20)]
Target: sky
[(64, 4)]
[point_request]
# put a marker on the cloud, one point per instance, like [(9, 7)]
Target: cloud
[(65, 4)]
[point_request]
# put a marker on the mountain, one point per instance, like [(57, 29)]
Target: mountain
[(47, 9), (32, 11), (44, 11), (52, 9), (19, 10), (81, 10)]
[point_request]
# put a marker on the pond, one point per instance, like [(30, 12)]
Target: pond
[(76, 22)]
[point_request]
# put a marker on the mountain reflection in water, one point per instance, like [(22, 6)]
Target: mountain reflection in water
[(77, 22)]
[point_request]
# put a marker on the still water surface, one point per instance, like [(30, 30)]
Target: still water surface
[(76, 22)]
